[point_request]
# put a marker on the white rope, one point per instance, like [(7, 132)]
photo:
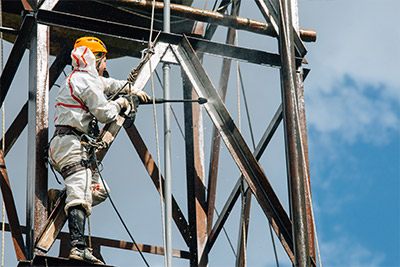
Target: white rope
[(156, 135), (3, 225)]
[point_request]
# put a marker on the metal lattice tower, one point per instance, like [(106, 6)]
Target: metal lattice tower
[(49, 27)]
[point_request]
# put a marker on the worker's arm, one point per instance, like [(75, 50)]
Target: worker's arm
[(93, 97)]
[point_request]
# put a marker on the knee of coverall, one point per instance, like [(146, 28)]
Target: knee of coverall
[(99, 189)]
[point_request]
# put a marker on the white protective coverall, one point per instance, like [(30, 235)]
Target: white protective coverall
[(81, 98)]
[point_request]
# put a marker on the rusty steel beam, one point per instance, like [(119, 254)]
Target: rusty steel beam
[(216, 138), (236, 145), (195, 178), (112, 243), (38, 106), (57, 219), (229, 204), (294, 157), (11, 210), (300, 77), (137, 34), (16, 54), (307, 181), (269, 10), (153, 172), (244, 225), (20, 121), (214, 17)]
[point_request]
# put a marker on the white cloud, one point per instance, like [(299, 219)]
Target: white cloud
[(344, 251), (354, 111), (358, 37)]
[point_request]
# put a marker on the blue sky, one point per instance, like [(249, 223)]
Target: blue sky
[(353, 118)]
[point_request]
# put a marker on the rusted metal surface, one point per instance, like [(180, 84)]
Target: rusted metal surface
[(203, 15), (270, 9), (20, 121), (211, 28), (229, 204), (195, 177), (295, 169), (300, 77), (53, 225), (216, 139), (38, 104), (11, 210), (307, 181), (57, 219), (112, 243), (137, 34), (244, 225), (153, 171), (15, 56), (236, 145)]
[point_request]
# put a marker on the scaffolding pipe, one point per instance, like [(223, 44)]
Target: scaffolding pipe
[(167, 146), (213, 17)]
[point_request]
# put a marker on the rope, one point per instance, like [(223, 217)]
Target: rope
[(150, 47), (3, 225), (226, 234), (116, 210)]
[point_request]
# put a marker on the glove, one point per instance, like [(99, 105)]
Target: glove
[(123, 103), (144, 98), (127, 107), (132, 76)]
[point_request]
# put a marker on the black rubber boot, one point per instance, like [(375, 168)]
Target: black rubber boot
[(76, 224)]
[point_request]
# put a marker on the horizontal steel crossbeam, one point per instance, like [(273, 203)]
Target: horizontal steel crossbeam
[(141, 35)]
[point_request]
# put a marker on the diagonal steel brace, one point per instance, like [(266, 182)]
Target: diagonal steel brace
[(235, 143)]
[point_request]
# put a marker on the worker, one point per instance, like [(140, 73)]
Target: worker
[(81, 101)]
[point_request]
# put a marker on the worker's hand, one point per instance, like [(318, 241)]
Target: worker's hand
[(123, 103), (144, 98), (132, 76), (127, 107)]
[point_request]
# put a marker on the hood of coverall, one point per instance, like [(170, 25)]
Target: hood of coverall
[(83, 59)]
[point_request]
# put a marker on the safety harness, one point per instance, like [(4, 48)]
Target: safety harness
[(87, 140)]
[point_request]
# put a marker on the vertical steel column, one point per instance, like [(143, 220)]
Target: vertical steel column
[(190, 171), (195, 176), (303, 130), (38, 101), (167, 146), (292, 138)]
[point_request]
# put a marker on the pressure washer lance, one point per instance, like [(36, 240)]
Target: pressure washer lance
[(200, 100), (135, 100)]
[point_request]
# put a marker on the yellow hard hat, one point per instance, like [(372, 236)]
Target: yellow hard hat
[(94, 44)]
